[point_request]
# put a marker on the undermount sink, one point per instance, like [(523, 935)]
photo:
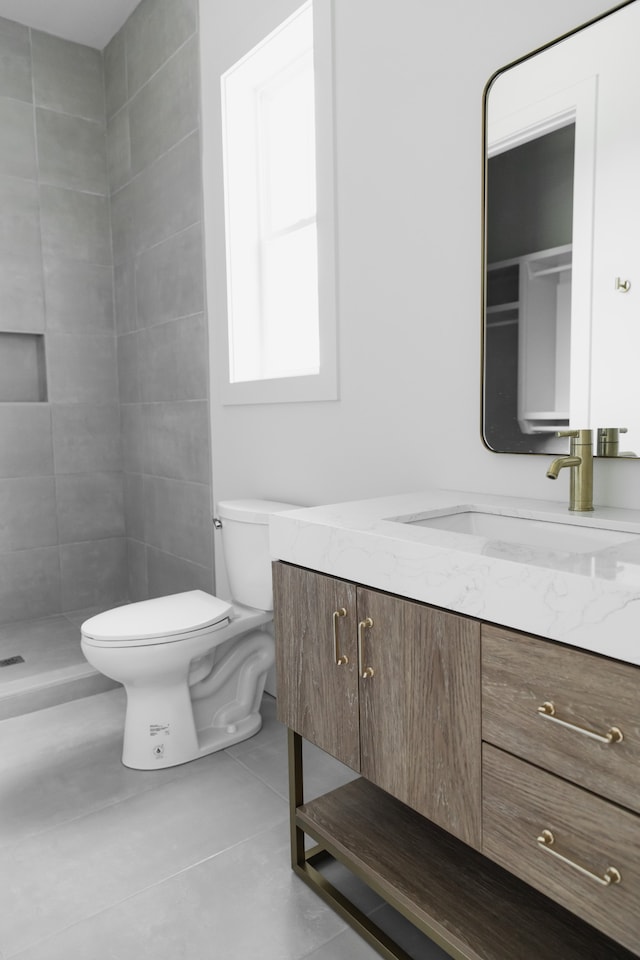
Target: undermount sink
[(523, 531)]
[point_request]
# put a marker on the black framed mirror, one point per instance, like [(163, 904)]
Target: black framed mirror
[(561, 284)]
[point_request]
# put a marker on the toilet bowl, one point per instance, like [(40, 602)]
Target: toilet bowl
[(183, 701)]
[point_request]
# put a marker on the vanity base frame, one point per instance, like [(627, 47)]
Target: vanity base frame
[(468, 905)]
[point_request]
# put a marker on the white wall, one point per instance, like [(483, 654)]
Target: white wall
[(409, 81)]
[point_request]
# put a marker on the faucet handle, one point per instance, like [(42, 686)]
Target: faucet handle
[(582, 436), (611, 431)]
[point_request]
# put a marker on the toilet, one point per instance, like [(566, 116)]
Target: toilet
[(183, 702)]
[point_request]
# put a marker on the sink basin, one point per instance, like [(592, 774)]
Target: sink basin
[(523, 531)]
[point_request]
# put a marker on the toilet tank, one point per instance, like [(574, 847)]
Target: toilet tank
[(245, 540)]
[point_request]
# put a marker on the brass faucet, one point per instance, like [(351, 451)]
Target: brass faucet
[(580, 460)]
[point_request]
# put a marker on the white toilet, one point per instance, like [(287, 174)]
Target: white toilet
[(180, 703)]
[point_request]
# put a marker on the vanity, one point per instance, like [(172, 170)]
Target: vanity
[(476, 660)]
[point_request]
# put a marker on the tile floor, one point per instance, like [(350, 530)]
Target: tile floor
[(98, 862), (54, 669)]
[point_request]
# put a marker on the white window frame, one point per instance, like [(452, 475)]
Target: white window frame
[(314, 387)]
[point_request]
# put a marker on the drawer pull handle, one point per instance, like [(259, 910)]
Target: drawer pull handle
[(548, 712), (610, 875), (365, 672), (339, 658)]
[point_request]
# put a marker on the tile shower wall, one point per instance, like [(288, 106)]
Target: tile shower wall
[(62, 544), (152, 98)]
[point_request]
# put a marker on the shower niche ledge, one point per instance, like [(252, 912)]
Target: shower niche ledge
[(23, 376)]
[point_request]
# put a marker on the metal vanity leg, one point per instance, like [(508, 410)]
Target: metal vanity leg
[(304, 863), (296, 797)]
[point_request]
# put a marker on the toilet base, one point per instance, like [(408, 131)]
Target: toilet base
[(217, 738), (159, 755), (170, 724)]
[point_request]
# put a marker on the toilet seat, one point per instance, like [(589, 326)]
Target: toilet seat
[(161, 620)]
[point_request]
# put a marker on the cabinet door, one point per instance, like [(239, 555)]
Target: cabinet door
[(317, 696), (420, 710)]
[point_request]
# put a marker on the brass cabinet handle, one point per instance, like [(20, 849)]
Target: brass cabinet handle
[(340, 660), (611, 874), (548, 712), (365, 672)]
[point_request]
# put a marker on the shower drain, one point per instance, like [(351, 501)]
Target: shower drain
[(9, 661)]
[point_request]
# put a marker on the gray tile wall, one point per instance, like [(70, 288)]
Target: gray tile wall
[(62, 543), (102, 236), (153, 149)]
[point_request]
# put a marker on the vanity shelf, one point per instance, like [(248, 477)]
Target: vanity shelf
[(468, 905)]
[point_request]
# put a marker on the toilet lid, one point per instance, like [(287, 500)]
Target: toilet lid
[(161, 619)]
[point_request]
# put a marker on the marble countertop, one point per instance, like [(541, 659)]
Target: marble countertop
[(590, 599)]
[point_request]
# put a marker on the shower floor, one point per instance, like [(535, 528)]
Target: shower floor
[(53, 669)]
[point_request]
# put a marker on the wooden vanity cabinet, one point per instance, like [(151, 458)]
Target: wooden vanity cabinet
[(395, 689), (403, 710)]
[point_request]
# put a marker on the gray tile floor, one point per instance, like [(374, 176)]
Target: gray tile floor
[(47, 644), (53, 670), (190, 863)]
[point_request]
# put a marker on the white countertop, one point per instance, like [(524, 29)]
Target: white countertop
[(590, 600)]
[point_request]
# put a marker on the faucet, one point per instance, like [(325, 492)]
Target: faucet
[(580, 461)]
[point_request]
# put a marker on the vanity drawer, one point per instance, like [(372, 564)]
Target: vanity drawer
[(527, 813), (522, 676)]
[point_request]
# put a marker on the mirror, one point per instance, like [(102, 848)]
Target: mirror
[(561, 292)]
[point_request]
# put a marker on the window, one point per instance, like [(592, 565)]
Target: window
[(281, 320)]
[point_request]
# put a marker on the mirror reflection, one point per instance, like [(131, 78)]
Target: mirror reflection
[(562, 235)]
